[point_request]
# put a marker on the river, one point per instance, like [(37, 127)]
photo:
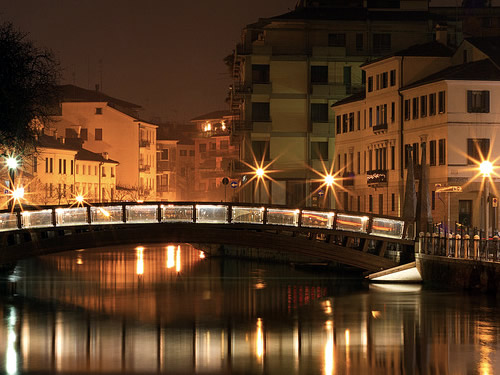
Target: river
[(149, 309)]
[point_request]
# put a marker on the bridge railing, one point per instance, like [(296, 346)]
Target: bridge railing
[(189, 212), (460, 247)]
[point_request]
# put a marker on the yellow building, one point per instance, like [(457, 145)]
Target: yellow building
[(62, 169), (425, 98), (109, 125)]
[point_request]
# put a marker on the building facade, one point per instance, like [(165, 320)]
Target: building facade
[(62, 170), (436, 107), (109, 125), (289, 70)]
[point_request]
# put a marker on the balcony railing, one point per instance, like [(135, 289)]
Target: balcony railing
[(379, 127), (377, 176), (144, 168)]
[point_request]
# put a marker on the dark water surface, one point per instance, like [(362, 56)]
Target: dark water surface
[(167, 309)]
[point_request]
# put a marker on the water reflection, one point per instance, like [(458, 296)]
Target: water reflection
[(167, 309)]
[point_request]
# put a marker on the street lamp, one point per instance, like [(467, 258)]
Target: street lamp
[(486, 168), (12, 165)]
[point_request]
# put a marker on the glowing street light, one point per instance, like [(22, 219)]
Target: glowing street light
[(486, 168), (12, 163), (18, 193), (329, 180), (259, 172)]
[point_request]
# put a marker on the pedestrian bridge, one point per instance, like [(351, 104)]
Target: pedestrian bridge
[(359, 240)]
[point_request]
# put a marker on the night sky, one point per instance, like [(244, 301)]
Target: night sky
[(165, 55)]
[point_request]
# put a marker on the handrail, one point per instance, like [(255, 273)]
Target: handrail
[(199, 212)]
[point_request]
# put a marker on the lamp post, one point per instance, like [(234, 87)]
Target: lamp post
[(328, 181), (12, 165), (259, 174), (486, 167)]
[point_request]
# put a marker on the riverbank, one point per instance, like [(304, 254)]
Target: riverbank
[(459, 274)]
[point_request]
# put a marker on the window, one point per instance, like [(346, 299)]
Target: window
[(393, 157), (393, 111), (359, 162), (416, 154), (98, 111), (393, 202), (72, 167), (344, 123), (370, 84), (432, 153), (359, 42), (381, 43), (336, 40), (393, 77), (407, 109), (359, 120), (478, 149), (89, 170), (383, 114), (347, 78), (260, 73), (191, 153), (351, 121), (260, 112), (64, 166), (261, 150), (103, 171), (370, 203), (319, 150), (213, 146), (224, 145), (441, 102), (407, 155), (442, 151), (319, 74), (319, 112), (385, 78), (84, 134), (60, 166), (432, 104), (35, 164), (78, 169), (370, 117), (423, 106), (164, 154), (202, 147), (415, 108), (98, 134), (478, 101), (339, 124), (183, 152)]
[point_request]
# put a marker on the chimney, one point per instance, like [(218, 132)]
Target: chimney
[(442, 34), (105, 155)]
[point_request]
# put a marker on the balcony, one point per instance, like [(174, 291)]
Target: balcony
[(380, 128), (144, 143), (145, 168), (377, 176)]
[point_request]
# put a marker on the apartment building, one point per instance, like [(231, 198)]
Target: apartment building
[(289, 70), (424, 99), (109, 125), (215, 156)]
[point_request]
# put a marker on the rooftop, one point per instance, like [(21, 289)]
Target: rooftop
[(483, 70)]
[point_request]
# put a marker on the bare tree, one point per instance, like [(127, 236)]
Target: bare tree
[(28, 89)]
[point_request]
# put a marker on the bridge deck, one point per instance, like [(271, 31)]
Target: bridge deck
[(355, 240)]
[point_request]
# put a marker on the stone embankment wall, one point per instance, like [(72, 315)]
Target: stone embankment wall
[(459, 274)]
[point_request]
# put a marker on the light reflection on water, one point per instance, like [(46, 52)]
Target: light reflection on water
[(168, 309)]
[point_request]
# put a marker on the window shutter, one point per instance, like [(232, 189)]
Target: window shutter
[(486, 104), (469, 101)]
